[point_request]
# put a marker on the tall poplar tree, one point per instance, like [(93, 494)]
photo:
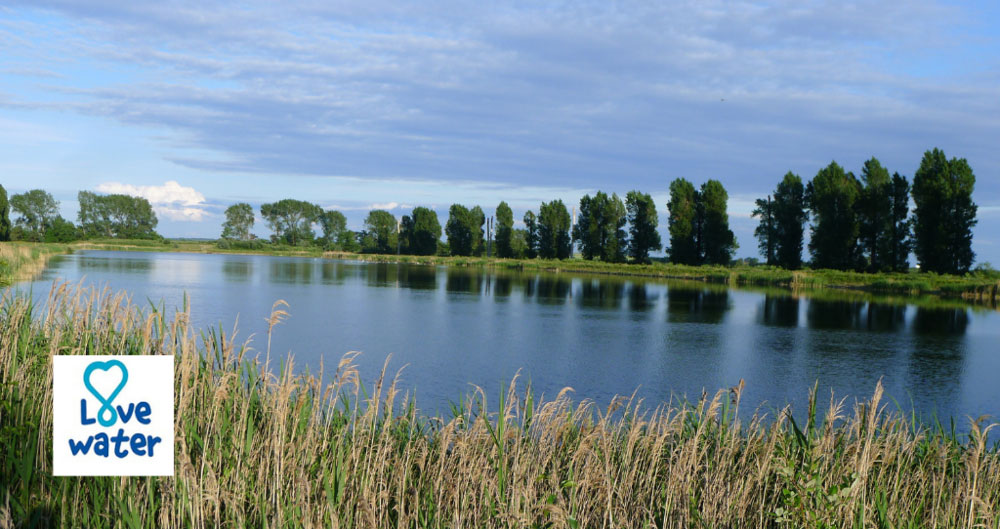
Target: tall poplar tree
[(682, 223), (553, 231), (642, 220), (530, 235), (4, 216), (900, 243), (874, 210), (944, 213), (832, 197), (717, 241), (505, 230)]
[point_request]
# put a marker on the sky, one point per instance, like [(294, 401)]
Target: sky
[(391, 105)]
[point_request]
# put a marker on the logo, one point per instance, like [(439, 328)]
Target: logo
[(113, 416)]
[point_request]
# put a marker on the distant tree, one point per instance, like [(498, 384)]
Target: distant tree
[(899, 222), (944, 213), (239, 222), (422, 231), (832, 197), (459, 230), (530, 235), (717, 241), (291, 220), (553, 231), (478, 221), (600, 228), (505, 230), (37, 210), (61, 230), (335, 232), (380, 232), (4, 216), (683, 223), (642, 220), (118, 216), (767, 230), (519, 244), (790, 217), (874, 208)]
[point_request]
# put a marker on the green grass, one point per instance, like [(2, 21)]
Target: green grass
[(265, 447)]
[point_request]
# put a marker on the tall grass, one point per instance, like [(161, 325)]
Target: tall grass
[(267, 446), (22, 261)]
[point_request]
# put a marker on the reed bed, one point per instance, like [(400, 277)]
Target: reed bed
[(24, 261), (272, 446)]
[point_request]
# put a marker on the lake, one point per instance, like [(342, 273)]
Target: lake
[(600, 335)]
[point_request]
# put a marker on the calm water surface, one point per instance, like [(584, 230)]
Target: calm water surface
[(599, 335)]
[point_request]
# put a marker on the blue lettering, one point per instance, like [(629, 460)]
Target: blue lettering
[(126, 415), (152, 441), (83, 413), (118, 440), (142, 412), (101, 444), (138, 443), (80, 446)]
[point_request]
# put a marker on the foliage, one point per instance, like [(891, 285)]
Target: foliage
[(717, 241), (900, 243), (463, 230), (118, 216), (505, 230), (291, 220), (944, 213), (766, 230), (683, 223), (832, 197), (239, 222), (642, 220), (380, 233), (336, 236), (782, 220), (874, 216), (420, 232), (530, 235), (37, 210), (4, 215), (600, 229), (553, 231), (61, 231)]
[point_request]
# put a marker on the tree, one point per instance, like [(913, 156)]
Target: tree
[(335, 232), (600, 228), (380, 232), (421, 232), (519, 244), (291, 220), (944, 213), (61, 230), (477, 220), (460, 227), (642, 220), (37, 210), (119, 216), (553, 231), (767, 230), (4, 216), (899, 237), (682, 223), (782, 219), (530, 235), (874, 208), (717, 241), (832, 197), (790, 217), (239, 222), (505, 230)]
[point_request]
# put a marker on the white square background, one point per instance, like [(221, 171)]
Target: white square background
[(150, 379)]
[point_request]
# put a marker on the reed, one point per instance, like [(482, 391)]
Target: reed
[(260, 445), (23, 261)]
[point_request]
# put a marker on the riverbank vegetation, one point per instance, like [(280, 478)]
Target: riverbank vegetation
[(23, 261), (260, 445)]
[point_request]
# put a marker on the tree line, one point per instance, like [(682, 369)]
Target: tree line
[(38, 219), (864, 224)]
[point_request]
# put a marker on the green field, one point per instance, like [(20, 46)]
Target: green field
[(326, 450)]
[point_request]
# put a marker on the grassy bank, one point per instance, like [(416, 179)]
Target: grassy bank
[(20, 261), (289, 450)]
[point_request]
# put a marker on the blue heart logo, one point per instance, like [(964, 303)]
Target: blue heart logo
[(106, 408)]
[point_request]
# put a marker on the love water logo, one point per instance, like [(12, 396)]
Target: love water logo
[(113, 415)]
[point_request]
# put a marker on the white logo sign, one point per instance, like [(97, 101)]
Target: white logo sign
[(113, 416)]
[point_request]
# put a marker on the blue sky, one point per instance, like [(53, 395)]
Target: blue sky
[(198, 105)]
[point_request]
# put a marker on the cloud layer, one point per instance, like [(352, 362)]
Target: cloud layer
[(171, 200)]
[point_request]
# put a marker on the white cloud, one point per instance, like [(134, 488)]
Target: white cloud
[(171, 200)]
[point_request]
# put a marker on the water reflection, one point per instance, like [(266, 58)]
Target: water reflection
[(885, 318), (549, 290), (122, 265), (296, 271), (602, 294), (834, 315), (779, 311), (940, 321), (696, 306), (639, 297), (237, 271)]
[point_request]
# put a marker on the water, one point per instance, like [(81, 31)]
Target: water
[(601, 336)]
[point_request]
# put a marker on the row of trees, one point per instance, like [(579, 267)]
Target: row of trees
[(865, 224), (699, 224), (38, 217)]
